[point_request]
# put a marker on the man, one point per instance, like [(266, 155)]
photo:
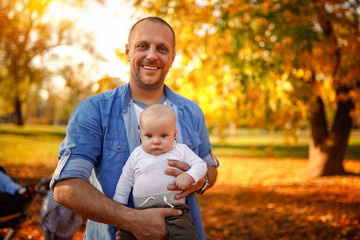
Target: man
[(103, 130)]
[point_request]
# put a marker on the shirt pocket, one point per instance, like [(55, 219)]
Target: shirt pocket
[(116, 151), (109, 168), (193, 143), (119, 146)]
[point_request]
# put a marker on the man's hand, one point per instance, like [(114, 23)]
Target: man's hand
[(150, 223), (81, 197), (179, 168)]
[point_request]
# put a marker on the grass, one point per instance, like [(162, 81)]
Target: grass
[(259, 193), (40, 143), (29, 144), (259, 143)]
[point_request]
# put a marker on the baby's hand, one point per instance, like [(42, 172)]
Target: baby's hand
[(183, 181)]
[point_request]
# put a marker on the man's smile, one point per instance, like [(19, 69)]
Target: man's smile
[(147, 67)]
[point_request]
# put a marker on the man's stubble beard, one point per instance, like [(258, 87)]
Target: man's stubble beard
[(148, 87)]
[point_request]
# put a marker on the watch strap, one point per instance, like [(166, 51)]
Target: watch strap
[(205, 186)]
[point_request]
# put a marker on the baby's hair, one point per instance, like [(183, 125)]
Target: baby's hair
[(157, 110)]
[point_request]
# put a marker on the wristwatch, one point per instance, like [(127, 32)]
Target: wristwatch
[(203, 189)]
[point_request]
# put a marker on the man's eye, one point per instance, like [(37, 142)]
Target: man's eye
[(163, 50), (141, 46)]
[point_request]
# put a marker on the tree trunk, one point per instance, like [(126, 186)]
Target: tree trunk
[(340, 135), (18, 112), (327, 149), (318, 150)]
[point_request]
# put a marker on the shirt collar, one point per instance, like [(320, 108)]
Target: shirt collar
[(125, 95), (173, 97), (143, 105)]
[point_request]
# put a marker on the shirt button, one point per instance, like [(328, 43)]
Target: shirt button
[(119, 147)]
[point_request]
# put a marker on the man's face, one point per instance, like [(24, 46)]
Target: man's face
[(150, 53), (157, 134)]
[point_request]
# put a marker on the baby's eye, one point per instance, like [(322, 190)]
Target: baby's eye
[(164, 135), (148, 135)]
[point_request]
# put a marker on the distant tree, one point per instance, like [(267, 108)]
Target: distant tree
[(27, 31), (272, 64)]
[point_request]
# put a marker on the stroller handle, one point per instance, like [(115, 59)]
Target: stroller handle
[(43, 186)]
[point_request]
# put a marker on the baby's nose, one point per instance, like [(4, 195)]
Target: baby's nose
[(156, 141)]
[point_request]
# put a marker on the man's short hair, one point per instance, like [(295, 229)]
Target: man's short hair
[(154, 20)]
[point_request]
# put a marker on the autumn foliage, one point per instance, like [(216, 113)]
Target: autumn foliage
[(271, 64)]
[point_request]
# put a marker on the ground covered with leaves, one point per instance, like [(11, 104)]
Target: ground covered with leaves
[(255, 199), (269, 199)]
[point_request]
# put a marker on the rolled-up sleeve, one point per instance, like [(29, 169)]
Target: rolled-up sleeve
[(205, 151), (77, 167), (81, 147), (211, 159)]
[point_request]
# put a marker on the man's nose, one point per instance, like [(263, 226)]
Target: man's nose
[(151, 53)]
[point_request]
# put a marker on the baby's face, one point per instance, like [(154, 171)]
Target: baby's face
[(157, 135)]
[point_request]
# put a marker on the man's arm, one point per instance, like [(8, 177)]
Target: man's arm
[(211, 175), (81, 197), (182, 167)]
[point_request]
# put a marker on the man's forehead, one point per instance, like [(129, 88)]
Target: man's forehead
[(149, 26)]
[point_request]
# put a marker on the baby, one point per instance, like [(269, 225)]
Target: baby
[(144, 171)]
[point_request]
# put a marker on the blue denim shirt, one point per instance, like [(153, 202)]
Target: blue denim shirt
[(101, 134)]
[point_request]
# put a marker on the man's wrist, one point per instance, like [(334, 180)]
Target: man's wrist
[(204, 187)]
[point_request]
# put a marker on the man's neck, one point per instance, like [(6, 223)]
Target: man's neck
[(145, 96)]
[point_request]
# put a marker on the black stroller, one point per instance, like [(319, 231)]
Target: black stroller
[(13, 208)]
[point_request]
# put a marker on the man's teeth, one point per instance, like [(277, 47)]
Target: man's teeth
[(150, 67)]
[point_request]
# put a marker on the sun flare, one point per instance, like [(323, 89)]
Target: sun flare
[(108, 23)]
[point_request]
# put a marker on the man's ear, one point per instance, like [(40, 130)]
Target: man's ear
[(173, 59), (127, 49)]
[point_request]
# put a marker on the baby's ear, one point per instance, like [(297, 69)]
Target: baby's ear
[(176, 131), (139, 132)]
